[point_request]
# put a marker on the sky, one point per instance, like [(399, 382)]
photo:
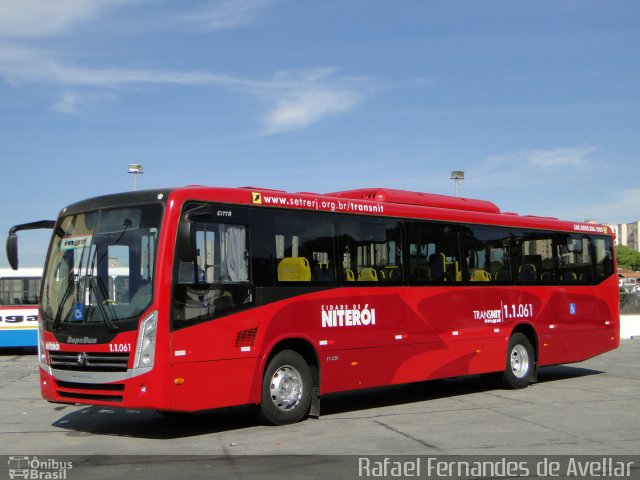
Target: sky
[(538, 102)]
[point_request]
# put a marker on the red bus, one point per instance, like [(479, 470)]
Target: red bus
[(250, 296)]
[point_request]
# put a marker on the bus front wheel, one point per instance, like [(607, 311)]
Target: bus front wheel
[(520, 362), (286, 389)]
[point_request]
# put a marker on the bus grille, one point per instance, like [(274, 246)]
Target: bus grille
[(246, 338), (106, 392), (89, 361)]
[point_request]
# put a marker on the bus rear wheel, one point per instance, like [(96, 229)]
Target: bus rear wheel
[(286, 389), (520, 362)]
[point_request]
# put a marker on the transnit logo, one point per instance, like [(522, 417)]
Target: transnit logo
[(488, 316)]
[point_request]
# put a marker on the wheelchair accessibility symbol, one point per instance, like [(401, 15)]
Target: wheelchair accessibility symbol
[(78, 313), (572, 308)]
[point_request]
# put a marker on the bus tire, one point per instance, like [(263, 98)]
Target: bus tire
[(520, 362), (286, 389)]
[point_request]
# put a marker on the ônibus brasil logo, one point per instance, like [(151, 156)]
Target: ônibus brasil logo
[(38, 469)]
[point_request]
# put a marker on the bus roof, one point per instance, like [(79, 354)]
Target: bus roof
[(366, 201), (418, 198)]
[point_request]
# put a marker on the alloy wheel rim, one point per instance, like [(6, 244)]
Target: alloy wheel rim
[(286, 388), (519, 361)]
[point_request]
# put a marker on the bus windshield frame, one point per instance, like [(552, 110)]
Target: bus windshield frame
[(101, 268)]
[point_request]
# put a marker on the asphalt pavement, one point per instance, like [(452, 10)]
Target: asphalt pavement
[(590, 408)]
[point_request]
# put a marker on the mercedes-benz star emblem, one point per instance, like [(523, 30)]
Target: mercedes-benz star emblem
[(82, 359)]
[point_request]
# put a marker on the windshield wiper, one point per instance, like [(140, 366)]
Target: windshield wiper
[(100, 297), (58, 318)]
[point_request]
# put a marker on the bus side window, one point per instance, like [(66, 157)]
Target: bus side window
[(434, 253), (603, 248), (212, 276), (534, 258), (304, 250), (487, 254), (574, 258), (370, 250), (19, 291)]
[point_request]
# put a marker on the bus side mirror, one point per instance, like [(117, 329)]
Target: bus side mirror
[(12, 250), (12, 239)]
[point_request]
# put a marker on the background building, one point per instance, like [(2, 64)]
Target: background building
[(627, 234)]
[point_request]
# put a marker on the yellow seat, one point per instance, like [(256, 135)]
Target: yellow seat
[(392, 272), (527, 273), (368, 275), (294, 269), (348, 275), (480, 275)]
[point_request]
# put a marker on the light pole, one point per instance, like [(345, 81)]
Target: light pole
[(136, 169), (457, 176)]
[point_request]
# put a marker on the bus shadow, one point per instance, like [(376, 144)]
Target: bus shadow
[(153, 425), (562, 372), (404, 394), (436, 389)]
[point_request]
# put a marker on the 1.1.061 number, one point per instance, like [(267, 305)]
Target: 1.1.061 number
[(520, 310), (119, 347)]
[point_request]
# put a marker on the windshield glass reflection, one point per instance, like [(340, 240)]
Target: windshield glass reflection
[(101, 266)]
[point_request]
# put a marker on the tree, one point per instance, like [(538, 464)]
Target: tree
[(628, 259)]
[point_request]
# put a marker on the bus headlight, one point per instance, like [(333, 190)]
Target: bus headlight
[(146, 346), (42, 353)]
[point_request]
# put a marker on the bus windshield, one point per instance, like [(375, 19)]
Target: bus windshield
[(101, 266)]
